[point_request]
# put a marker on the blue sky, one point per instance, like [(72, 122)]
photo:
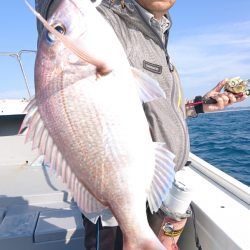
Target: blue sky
[(210, 40)]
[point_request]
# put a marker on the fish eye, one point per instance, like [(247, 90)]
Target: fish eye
[(51, 38)]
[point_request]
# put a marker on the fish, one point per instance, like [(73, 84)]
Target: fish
[(87, 119)]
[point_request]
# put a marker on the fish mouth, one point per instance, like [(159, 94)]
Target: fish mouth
[(58, 31)]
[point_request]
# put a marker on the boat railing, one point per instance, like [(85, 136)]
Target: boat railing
[(18, 56), (229, 183)]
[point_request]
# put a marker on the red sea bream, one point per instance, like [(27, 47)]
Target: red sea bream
[(88, 121)]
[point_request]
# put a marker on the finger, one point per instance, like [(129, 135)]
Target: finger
[(220, 102), (225, 98), (242, 98), (220, 85), (232, 98)]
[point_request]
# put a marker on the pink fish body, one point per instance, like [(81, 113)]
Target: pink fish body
[(88, 121)]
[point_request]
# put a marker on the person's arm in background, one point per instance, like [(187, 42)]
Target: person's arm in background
[(223, 100)]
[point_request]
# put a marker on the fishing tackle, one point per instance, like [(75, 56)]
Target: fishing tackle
[(235, 85)]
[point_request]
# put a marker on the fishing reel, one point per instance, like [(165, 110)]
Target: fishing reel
[(236, 86)]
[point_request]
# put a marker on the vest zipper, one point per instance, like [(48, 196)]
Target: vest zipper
[(176, 111)]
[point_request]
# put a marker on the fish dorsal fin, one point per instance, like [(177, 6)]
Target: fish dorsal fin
[(163, 176), (41, 139), (148, 88)]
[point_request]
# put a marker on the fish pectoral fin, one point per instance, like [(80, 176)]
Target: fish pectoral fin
[(163, 176), (148, 88)]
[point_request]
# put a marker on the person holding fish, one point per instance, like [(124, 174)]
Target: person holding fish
[(142, 28)]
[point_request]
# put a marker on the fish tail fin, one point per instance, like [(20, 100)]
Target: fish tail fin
[(163, 176)]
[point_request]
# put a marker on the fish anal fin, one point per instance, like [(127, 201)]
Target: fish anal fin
[(163, 176)]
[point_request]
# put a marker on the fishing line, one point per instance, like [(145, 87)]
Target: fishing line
[(98, 234)]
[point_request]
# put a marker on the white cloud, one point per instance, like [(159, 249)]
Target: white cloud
[(210, 55)]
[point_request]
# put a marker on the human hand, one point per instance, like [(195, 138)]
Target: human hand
[(223, 99)]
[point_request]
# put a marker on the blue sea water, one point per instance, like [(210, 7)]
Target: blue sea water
[(223, 140)]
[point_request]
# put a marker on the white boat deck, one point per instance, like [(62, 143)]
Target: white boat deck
[(36, 210)]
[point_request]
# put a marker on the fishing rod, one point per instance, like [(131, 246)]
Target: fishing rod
[(236, 86)]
